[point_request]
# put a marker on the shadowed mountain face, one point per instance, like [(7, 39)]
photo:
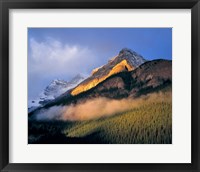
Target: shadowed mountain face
[(126, 60), (147, 78)]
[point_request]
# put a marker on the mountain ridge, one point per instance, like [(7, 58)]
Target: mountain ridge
[(125, 60)]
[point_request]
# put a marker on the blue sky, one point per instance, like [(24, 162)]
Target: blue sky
[(64, 52)]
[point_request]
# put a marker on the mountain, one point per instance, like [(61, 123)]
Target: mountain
[(126, 101), (128, 75), (151, 76), (56, 88), (126, 60)]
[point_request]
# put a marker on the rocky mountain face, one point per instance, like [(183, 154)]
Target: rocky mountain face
[(126, 60), (56, 88), (149, 77)]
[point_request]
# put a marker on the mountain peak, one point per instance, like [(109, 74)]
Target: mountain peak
[(56, 88), (126, 60), (134, 58), (126, 50)]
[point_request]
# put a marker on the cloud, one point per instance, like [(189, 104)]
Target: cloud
[(99, 107), (90, 109), (96, 108), (52, 58)]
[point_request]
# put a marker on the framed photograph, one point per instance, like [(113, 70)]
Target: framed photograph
[(104, 85)]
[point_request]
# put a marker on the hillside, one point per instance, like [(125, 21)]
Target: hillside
[(149, 123)]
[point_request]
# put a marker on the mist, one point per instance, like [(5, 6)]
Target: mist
[(90, 109), (97, 108)]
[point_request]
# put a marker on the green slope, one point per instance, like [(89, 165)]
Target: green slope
[(150, 123)]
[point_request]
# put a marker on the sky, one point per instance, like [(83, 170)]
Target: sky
[(62, 53)]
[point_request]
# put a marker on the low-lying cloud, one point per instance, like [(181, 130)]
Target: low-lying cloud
[(96, 108), (90, 109)]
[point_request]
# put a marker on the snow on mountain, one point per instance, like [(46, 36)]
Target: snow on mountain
[(56, 88)]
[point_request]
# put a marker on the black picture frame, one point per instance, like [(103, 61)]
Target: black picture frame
[(5, 5)]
